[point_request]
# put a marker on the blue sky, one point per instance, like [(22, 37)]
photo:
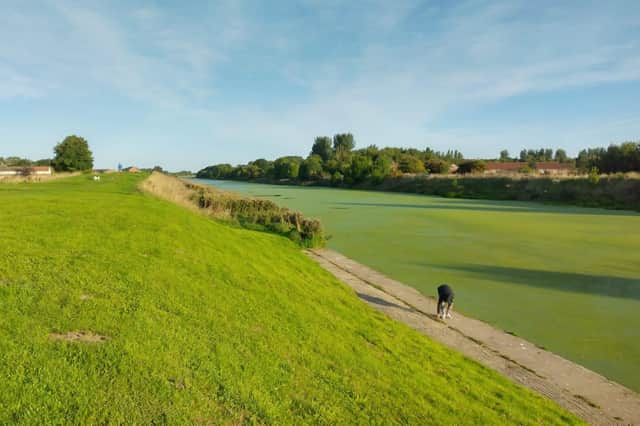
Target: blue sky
[(187, 84)]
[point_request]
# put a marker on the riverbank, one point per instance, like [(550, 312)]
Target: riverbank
[(564, 277), (617, 192), (583, 392)]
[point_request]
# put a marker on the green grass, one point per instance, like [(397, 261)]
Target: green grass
[(206, 323), (566, 278)]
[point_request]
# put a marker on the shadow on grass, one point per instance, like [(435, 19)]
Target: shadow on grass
[(381, 302), (498, 208), (626, 288)]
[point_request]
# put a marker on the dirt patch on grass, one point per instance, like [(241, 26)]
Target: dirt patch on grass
[(86, 297), (78, 336)]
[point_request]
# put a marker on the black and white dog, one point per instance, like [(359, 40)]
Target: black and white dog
[(445, 301)]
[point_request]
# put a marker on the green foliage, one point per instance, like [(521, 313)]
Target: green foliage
[(437, 166), (343, 142), (311, 168), (337, 178), (20, 162), (616, 158), (381, 169), (218, 171), (542, 154), (207, 323), (471, 166), (370, 166), (287, 167), (411, 164), (256, 213), (322, 147), (361, 166), (594, 175), (561, 156), (73, 154)]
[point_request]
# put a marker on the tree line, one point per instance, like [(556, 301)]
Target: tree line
[(337, 162), (70, 155)]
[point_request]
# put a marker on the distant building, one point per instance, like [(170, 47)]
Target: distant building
[(25, 171), (132, 169), (543, 167)]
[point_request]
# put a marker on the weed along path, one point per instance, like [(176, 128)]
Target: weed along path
[(581, 391)]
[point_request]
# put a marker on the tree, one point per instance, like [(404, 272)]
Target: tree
[(437, 166), (504, 156), (361, 165), (524, 155), (471, 166), (73, 154), (322, 147), (411, 164), (158, 169), (381, 168), (287, 167), (265, 167), (311, 168), (561, 156), (343, 142), (218, 171)]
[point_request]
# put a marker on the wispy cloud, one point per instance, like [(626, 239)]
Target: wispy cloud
[(392, 72)]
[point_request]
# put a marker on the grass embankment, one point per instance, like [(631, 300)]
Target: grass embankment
[(566, 278), (251, 213), (176, 318)]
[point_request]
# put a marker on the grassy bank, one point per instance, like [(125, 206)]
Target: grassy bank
[(119, 307), (252, 213), (566, 278)]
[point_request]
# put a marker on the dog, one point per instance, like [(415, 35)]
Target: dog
[(445, 301)]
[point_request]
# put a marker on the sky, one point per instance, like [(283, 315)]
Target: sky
[(188, 84)]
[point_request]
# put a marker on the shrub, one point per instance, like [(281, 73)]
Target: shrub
[(255, 213), (471, 166)]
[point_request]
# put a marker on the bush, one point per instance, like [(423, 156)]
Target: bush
[(255, 213), (471, 166)]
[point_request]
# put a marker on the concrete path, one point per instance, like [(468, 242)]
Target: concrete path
[(583, 392)]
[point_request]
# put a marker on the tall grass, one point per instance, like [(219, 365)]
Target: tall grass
[(251, 213)]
